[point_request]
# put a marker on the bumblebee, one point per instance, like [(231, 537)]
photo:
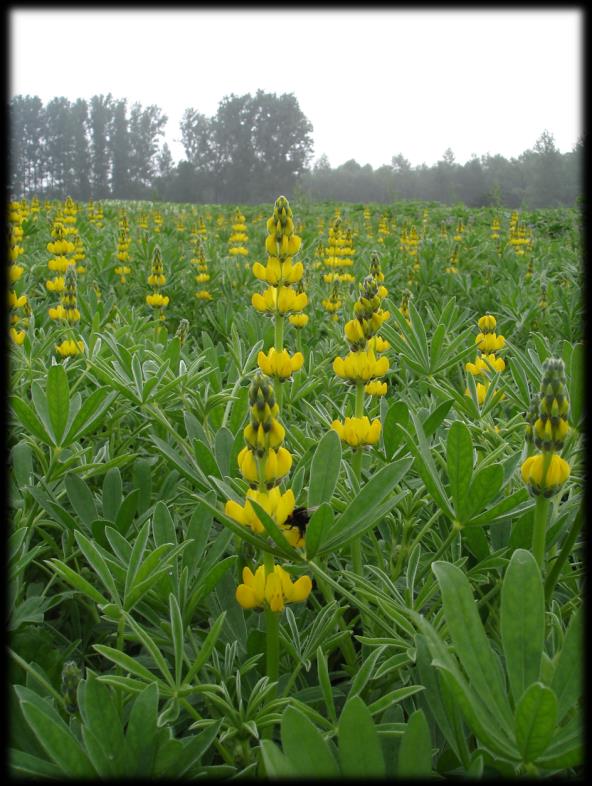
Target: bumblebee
[(299, 519)]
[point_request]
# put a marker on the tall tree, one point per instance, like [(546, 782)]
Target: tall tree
[(59, 146), (120, 151), (543, 169), (101, 110), (281, 142), (81, 152), (145, 128), (27, 159)]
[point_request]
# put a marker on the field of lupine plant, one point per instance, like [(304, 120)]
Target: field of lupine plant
[(295, 490)]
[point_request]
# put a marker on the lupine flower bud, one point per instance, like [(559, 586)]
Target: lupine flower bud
[(551, 427), (71, 676), (182, 331)]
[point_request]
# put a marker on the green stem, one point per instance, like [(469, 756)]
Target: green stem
[(278, 342), (195, 714), (278, 334), (356, 546), (346, 647), (450, 538), (539, 530), (566, 549), (319, 572), (272, 639)]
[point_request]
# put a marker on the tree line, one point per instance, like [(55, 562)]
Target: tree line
[(255, 145)]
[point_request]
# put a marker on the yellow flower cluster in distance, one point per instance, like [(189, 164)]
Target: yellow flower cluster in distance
[(486, 362), (546, 472), (122, 254), (274, 588), (237, 242), (156, 279), (198, 260)]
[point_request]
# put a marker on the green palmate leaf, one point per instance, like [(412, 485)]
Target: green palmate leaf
[(425, 466), (522, 621), (207, 647), (54, 736), (192, 473), (516, 503), (125, 662), (127, 511), (177, 631), (142, 480), (567, 747), (76, 581), (193, 750), (102, 730), (398, 412), (411, 571), (156, 565), (567, 677), (421, 337), (393, 697), (485, 486), (29, 420), (360, 751), (90, 414), (152, 648), (415, 751), (477, 542), (163, 527), (435, 418), (98, 564), (21, 459), (58, 400), (304, 746), (446, 714), (40, 403), (206, 584), (28, 765), (141, 732), (112, 493), (324, 469), (468, 635), (366, 509), (536, 719), (135, 559), (455, 688), (575, 383), (205, 459), (325, 684), (277, 765), (81, 499), (223, 446), (364, 673), (317, 529), (436, 345), (459, 456), (198, 530)]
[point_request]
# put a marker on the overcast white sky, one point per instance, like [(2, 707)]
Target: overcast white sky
[(373, 83)]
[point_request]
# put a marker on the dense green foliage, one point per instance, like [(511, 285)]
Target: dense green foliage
[(451, 652)]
